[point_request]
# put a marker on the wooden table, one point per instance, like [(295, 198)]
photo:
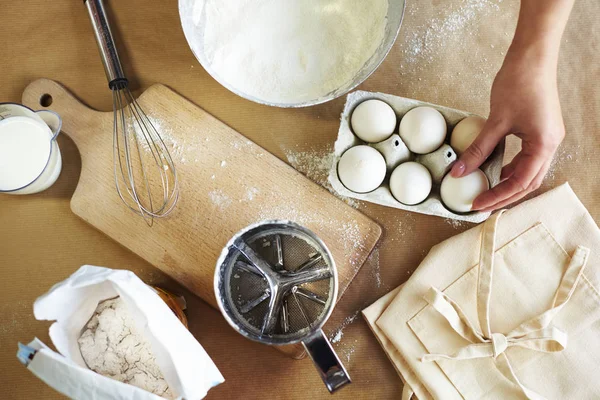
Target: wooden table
[(447, 53)]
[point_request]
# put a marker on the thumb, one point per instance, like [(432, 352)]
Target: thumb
[(479, 150)]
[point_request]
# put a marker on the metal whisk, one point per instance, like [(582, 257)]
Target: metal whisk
[(145, 175)]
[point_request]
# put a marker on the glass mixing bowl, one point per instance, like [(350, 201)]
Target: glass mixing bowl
[(394, 21)]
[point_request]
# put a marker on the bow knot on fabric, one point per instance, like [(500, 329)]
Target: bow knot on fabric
[(535, 334), (499, 343)]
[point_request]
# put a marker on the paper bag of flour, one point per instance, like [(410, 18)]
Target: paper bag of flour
[(185, 366)]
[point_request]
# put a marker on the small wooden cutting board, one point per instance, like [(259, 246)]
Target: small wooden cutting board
[(226, 183)]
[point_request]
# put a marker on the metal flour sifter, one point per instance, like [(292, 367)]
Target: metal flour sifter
[(276, 283)]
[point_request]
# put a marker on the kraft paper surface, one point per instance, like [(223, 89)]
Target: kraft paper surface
[(447, 53)]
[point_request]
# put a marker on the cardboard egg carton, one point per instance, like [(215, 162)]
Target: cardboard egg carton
[(433, 204)]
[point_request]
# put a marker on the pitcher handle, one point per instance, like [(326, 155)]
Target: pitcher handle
[(53, 120)]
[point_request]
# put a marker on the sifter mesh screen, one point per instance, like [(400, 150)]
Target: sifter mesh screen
[(306, 305)]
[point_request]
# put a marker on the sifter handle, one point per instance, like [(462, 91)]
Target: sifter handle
[(106, 44), (328, 364)]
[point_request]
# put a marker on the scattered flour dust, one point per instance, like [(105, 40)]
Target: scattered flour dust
[(450, 41), (111, 346), (16, 316), (339, 333), (316, 164), (562, 158), (186, 149), (336, 337), (288, 52), (176, 149), (349, 352), (456, 224), (251, 193), (426, 41), (400, 228), (373, 263), (219, 199), (181, 150)]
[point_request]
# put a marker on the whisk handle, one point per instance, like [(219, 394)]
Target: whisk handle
[(106, 44)]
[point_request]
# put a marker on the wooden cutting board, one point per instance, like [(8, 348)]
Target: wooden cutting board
[(226, 183)]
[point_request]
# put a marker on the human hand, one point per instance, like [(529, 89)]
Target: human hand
[(524, 102)]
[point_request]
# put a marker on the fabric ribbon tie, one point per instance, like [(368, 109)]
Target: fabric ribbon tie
[(546, 339), (500, 343), (535, 334)]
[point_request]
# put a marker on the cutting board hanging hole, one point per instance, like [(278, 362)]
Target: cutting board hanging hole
[(46, 100)]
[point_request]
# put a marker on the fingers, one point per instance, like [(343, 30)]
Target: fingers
[(480, 149), (509, 169), (534, 185), (506, 202), (537, 182), (526, 170)]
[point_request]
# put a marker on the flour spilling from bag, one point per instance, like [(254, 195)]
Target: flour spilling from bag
[(112, 346), (287, 51), (116, 339)]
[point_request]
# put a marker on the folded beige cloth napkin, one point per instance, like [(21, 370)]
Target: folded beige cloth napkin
[(508, 309)]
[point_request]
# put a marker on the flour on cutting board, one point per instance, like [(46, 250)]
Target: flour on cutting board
[(176, 149), (181, 150), (219, 199), (315, 165), (187, 149), (251, 193), (373, 263), (240, 144)]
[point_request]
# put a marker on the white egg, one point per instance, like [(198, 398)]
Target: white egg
[(465, 132), (410, 183), (423, 129), (458, 193), (362, 169), (373, 121)]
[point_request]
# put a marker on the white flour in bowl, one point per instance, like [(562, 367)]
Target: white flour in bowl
[(288, 51)]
